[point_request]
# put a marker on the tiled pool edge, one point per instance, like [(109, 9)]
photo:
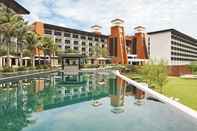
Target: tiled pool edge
[(159, 96), (26, 75)]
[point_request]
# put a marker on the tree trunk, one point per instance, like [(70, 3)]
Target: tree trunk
[(8, 53), (21, 59), (33, 60)]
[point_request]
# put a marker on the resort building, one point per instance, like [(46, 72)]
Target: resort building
[(73, 40), (18, 10), (14, 6), (117, 43), (177, 48), (127, 49)]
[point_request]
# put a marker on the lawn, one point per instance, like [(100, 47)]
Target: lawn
[(184, 89)]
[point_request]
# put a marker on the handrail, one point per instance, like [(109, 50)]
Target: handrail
[(159, 96)]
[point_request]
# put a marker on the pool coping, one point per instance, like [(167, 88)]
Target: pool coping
[(159, 96), (26, 75)]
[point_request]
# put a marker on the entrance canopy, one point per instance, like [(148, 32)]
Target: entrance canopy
[(72, 59)]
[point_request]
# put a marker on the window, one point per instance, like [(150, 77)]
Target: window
[(67, 41), (76, 42), (76, 48), (83, 49), (83, 43), (102, 40), (90, 44), (57, 33), (83, 37), (67, 47), (58, 40), (75, 36), (66, 34), (89, 38), (96, 39), (49, 32)]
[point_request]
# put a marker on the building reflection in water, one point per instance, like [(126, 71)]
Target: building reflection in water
[(139, 97), (39, 85), (117, 94), (18, 99), (119, 89)]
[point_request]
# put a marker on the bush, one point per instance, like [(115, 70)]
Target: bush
[(7, 69), (42, 67), (31, 68), (45, 67), (89, 66), (193, 67), (21, 68)]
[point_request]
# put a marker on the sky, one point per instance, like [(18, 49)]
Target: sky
[(154, 15)]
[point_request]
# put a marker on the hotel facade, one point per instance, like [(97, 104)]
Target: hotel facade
[(173, 46), (177, 48)]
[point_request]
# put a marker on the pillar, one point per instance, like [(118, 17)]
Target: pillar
[(117, 43)]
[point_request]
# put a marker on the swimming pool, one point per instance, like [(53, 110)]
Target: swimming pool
[(85, 102)]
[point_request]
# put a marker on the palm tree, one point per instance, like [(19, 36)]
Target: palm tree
[(32, 41), (50, 47), (21, 32), (9, 22)]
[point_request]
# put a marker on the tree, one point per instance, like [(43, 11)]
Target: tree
[(32, 40), (155, 73), (147, 72), (161, 75), (104, 52), (21, 32), (193, 66), (50, 47), (9, 22)]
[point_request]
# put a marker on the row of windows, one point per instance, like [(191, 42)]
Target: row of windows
[(183, 45), (75, 42), (77, 49), (182, 54), (182, 59), (179, 38), (184, 50), (66, 34)]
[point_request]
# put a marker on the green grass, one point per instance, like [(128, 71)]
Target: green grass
[(184, 89)]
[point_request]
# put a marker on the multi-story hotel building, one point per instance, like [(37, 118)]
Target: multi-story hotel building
[(14, 6), (177, 48), (17, 9), (82, 42)]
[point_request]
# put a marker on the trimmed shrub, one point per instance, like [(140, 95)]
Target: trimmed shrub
[(7, 69)]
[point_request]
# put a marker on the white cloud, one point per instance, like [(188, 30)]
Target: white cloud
[(153, 14)]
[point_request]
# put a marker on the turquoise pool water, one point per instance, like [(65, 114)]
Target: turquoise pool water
[(85, 102)]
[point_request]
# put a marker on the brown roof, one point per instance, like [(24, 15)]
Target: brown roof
[(12, 4), (60, 28)]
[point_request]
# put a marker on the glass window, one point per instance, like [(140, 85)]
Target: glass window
[(66, 34), (57, 33)]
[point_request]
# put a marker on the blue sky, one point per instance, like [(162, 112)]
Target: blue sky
[(81, 14)]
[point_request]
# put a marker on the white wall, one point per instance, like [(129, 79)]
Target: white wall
[(160, 46)]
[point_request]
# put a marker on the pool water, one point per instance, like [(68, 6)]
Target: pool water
[(85, 102)]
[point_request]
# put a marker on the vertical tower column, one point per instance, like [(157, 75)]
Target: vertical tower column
[(117, 43), (141, 45)]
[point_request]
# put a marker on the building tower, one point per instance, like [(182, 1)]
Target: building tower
[(117, 43), (96, 29), (141, 43)]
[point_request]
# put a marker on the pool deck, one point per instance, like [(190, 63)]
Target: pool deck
[(159, 96)]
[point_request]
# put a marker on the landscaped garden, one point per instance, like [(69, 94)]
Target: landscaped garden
[(184, 90), (177, 88)]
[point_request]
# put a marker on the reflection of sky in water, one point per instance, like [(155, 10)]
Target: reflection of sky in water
[(67, 104), (152, 116)]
